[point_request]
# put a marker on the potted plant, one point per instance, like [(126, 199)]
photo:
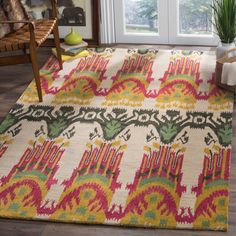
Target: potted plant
[(224, 13)]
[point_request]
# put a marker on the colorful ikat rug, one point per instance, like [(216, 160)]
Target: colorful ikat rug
[(123, 137)]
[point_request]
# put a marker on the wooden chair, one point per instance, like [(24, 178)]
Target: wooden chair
[(28, 39)]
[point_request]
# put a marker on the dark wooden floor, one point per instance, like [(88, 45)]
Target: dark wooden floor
[(13, 81)]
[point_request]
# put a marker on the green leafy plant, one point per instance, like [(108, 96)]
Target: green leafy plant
[(224, 12)]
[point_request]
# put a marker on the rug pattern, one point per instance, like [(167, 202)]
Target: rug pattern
[(125, 137)]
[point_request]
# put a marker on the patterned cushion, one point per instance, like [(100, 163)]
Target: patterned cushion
[(4, 28), (14, 10)]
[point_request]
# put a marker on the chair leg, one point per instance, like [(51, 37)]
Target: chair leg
[(33, 56), (57, 43)]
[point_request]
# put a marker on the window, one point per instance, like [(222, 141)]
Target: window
[(190, 22), (141, 16), (141, 21), (195, 17), (164, 22)]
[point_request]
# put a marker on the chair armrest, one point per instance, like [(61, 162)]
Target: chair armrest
[(54, 8)]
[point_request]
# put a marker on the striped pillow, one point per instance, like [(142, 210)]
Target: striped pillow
[(14, 10), (4, 28)]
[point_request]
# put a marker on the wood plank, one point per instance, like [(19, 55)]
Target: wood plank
[(24, 228)]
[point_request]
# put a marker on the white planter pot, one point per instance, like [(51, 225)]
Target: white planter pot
[(223, 48)]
